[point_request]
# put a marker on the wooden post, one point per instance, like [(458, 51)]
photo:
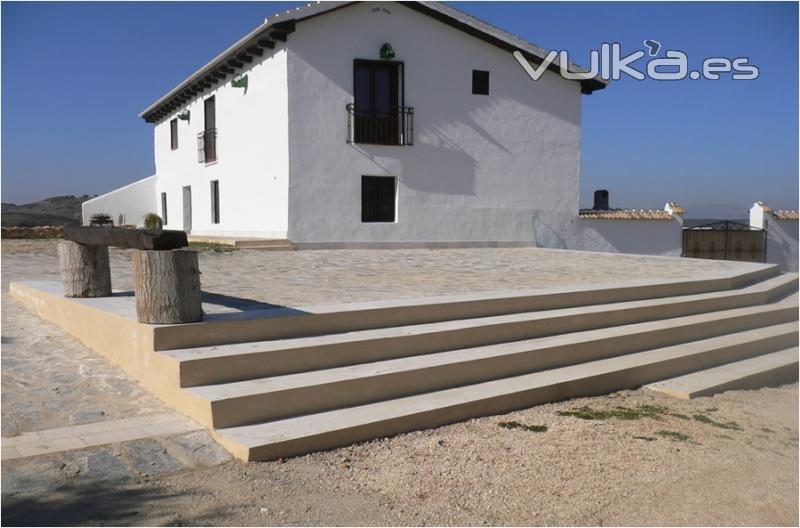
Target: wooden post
[(167, 286), (85, 270)]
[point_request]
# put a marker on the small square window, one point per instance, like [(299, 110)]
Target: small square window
[(378, 197), (173, 134), (480, 82)]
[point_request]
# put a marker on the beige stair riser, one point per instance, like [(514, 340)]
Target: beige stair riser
[(247, 244), (768, 378), (269, 248), (315, 398), (603, 383), (252, 365), (241, 331)]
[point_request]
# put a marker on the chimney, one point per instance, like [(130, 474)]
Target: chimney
[(601, 200)]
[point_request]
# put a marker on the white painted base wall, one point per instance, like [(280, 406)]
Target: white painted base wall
[(641, 237), (131, 202), (782, 242)]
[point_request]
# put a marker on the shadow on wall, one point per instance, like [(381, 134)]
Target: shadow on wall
[(453, 127), (422, 171), (782, 244), (546, 235)]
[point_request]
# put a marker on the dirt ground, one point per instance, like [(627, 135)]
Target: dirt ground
[(731, 459)]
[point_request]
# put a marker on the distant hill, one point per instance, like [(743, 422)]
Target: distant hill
[(55, 211)]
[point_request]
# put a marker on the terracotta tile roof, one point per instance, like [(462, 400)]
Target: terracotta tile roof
[(676, 209), (625, 214), (786, 215), (765, 207)]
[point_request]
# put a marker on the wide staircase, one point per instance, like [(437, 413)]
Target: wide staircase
[(341, 379)]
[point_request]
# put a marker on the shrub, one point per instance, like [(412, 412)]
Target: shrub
[(153, 221)]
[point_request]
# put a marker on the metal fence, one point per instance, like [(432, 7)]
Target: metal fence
[(725, 240), (207, 146), (385, 126)]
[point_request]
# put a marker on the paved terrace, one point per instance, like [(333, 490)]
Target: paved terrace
[(51, 381), (249, 279)]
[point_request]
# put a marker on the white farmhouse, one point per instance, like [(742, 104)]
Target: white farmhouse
[(346, 124)]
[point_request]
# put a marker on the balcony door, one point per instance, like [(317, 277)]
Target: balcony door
[(378, 94), (210, 131)]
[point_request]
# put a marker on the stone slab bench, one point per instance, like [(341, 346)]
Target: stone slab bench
[(166, 276), (142, 239)]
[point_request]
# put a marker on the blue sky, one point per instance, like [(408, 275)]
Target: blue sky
[(75, 76)]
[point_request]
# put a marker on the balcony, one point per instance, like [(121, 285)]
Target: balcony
[(385, 126), (207, 146)]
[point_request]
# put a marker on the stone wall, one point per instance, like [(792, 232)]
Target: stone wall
[(33, 232)]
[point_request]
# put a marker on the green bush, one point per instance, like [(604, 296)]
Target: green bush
[(153, 221)]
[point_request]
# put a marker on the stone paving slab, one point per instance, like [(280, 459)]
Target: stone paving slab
[(243, 280), (95, 434), (128, 461)]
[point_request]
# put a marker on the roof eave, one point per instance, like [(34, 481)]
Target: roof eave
[(284, 23)]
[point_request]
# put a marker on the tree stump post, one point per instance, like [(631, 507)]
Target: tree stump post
[(167, 286), (85, 270)]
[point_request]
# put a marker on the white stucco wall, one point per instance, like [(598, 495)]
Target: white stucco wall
[(132, 202), (782, 238), (252, 156), (641, 237), (482, 168)]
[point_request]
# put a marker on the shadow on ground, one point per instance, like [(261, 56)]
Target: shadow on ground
[(92, 503), (228, 301), (239, 303)]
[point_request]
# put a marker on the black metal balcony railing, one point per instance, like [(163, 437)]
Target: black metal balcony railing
[(392, 126), (207, 146)]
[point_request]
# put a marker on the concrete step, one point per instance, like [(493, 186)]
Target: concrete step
[(284, 323), (277, 244), (265, 244), (270, 248), (242, 402), (768, 370), (334, 428), (236, 362)]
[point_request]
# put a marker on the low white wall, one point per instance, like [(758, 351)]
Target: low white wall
[(781, 237), (782, 243), (132, 202), (641, 237)]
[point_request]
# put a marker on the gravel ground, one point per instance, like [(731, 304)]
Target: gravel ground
[(578, 472), (666, 469)]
